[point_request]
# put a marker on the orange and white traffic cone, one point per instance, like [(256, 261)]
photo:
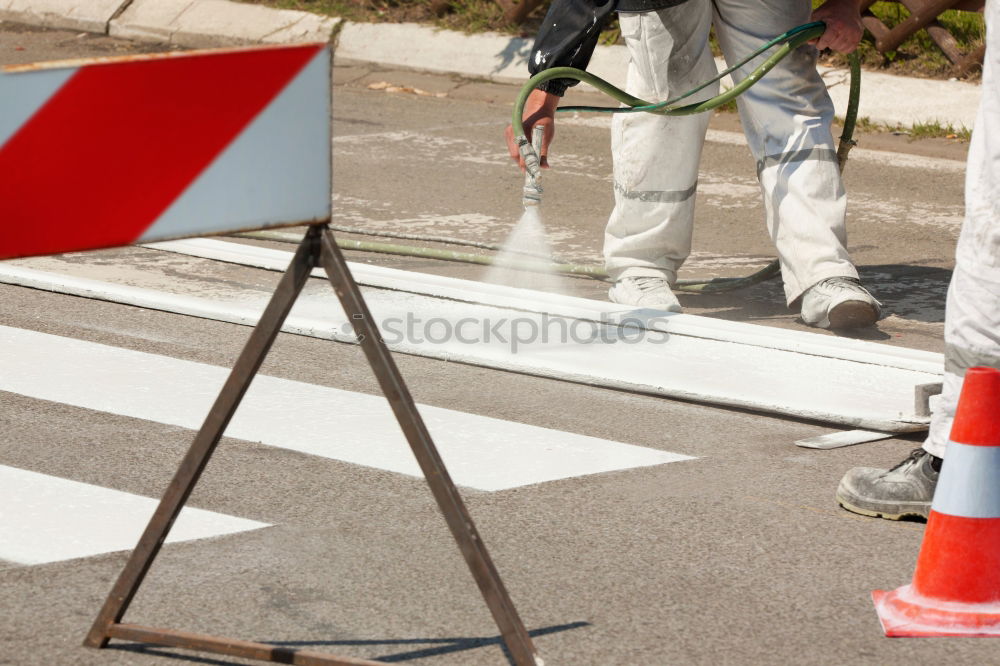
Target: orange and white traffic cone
[(956, 586)]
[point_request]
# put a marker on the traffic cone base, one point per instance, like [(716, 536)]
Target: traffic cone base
[(956, 585), (902, 612)]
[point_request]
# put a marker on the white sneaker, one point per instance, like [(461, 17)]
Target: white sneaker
[(645, 291), (839, 302)]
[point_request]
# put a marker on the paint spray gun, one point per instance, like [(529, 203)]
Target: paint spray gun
[(532, 193)]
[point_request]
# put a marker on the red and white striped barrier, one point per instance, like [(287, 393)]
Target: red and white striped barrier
[(956, 586), (116, 151)]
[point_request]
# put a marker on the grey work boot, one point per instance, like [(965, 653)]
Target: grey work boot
[(645, 291), (905, 490), (839, 302)]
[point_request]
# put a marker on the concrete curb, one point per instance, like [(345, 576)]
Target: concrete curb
[(206, 23), (85, 15), (488, 55), (898, 100), (203, 23), (885, 98)]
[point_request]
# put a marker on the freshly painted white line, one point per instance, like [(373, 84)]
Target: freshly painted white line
[(836, 440), (627, 351), (48, 519), (480, 452), (469, 291)]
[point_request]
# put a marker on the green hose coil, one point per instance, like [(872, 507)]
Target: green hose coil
[(789, 41)]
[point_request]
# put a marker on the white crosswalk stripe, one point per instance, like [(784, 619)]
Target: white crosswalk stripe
[(481, 452), (47, 519)]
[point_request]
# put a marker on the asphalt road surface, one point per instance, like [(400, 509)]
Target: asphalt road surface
[(735, 554)]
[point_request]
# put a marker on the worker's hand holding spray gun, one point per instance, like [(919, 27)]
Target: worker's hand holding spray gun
[(532, 194), (539, 110), (843, 33)]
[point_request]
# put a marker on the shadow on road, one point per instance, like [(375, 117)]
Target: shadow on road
[(435, 646), (914, 293)]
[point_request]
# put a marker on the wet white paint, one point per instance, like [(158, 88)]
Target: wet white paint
[(564, 306), (526, 242), (838, 380), (836, 440), (48, 519)]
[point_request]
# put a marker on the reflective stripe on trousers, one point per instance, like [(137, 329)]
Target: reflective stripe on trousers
[(786, 118)]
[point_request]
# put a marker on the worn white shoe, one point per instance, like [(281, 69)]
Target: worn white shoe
[(839, 302), (646, 292), (904, 490)]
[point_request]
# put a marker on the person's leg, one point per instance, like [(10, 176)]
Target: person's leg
[(656, 157), (972, 317), (786, 117), (972, 314), (972, 338)]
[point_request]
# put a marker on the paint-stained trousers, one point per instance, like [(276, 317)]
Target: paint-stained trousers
[(972, 312), (786, 118)]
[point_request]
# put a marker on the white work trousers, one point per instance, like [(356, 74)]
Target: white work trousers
[(972, 311), (786, 117)]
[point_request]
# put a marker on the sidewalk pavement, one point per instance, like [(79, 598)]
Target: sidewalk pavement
[(203, 23)]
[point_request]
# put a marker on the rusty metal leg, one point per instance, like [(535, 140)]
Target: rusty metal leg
[(450, 502), (231, 647), (204, 443)]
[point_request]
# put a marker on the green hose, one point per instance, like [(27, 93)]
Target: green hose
[(851, 115), (790, 41), (435, 253), (469, 258), (773, 269)]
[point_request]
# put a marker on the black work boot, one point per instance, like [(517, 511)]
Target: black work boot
[(905, 490)]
